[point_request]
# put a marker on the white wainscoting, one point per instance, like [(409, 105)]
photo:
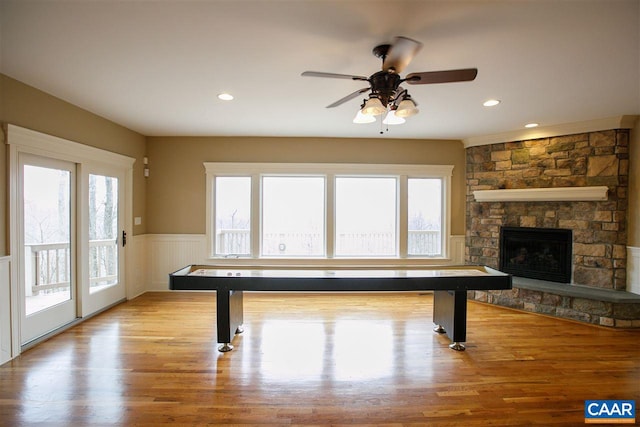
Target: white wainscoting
[(633, 270), (457, 243), (137, 266), (157, 255), (5, 309), (167, 253)]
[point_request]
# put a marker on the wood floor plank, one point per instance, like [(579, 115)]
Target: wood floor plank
[(317, 359)]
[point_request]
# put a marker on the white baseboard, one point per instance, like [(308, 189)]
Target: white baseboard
[(633, 270)]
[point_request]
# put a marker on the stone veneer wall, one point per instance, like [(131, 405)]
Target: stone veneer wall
[(587, 159)]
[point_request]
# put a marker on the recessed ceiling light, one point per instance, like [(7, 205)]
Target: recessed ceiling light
[(491, 102), (225, 96), (531, 125)]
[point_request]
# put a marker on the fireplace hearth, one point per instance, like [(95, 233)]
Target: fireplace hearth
[(537, 253)]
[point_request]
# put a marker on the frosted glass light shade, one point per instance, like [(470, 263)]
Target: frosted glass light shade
[(373, 107), (406, 108), (363, 118), (393, 119)]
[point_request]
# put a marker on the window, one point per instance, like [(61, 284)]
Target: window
[(424, 216), (233, 215), (293, 216), (366, 216), (327, 211)]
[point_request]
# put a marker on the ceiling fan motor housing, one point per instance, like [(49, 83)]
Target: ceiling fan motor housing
[(381, 51), (385, 84)]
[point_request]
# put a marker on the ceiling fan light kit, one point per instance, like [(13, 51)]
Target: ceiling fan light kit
[(386, 94)]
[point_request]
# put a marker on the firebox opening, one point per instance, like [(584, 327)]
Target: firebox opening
[(537, 253)]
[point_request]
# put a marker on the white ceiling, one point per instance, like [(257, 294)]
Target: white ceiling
[(156, 67)]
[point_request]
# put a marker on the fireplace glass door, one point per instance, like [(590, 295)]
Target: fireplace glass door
[(538, 253)]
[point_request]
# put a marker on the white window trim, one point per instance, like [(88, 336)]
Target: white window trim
[(330, 170)]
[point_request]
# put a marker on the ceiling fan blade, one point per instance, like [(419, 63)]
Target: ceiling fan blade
[(333, 75), (449, 76), (400, 54), (349, 97)]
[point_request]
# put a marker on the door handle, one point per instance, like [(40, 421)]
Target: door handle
[(124, 238)]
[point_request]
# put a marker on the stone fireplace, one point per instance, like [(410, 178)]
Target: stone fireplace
[(595, 291)]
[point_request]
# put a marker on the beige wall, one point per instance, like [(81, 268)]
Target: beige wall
[(176, 186), (633, 239), (28, 107)]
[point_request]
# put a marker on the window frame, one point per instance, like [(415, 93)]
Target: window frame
[(330, 171)]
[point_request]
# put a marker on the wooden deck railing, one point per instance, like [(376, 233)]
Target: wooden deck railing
[(48, 265), (237, 242)]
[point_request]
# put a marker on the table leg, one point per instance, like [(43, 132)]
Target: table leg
[(229, 317), (225, 347), (450, 316)]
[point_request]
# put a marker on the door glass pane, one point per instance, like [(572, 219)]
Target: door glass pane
[(47, 242), (103, 232), (425, 216), (293, 216), (366, 216), (233, 215)]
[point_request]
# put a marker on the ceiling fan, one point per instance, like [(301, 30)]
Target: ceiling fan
[(386, 92)]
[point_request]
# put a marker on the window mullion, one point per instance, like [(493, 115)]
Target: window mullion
[(403, 216), (256, 214), (210, 209), (330, 215)]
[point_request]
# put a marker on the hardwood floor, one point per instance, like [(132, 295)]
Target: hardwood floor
[(313, 359)]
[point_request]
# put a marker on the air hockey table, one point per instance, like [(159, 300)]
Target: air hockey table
[(449, 284)]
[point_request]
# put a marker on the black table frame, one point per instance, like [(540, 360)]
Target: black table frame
[(449, 302)]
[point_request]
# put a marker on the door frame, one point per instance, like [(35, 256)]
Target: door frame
[(22, 140)]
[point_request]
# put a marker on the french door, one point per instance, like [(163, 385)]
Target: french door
[(47, 267), (71, 240), (103, 238), (69, 205)]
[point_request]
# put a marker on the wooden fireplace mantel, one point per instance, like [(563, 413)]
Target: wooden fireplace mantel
[(559, 194)]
